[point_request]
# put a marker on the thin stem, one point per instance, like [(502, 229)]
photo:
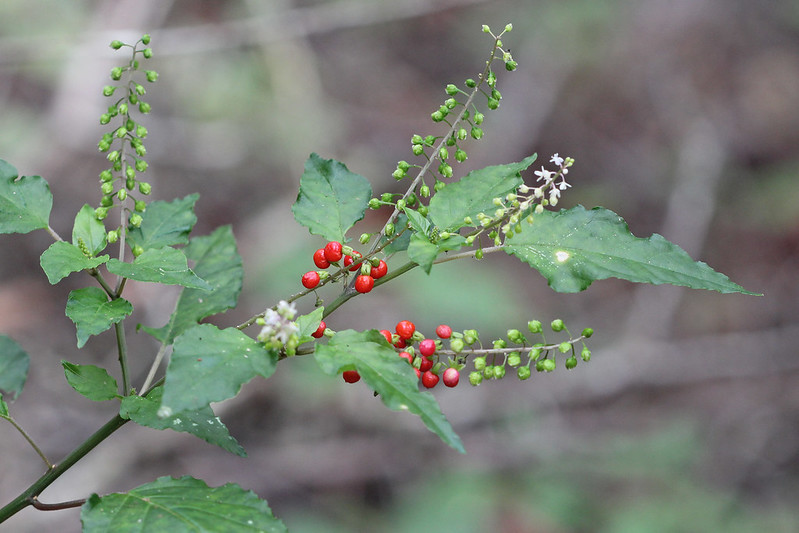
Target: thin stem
[(465, 255), (154, 367), (22, 432), (56, 506), (53, 234), (106, 287), (122, 348)]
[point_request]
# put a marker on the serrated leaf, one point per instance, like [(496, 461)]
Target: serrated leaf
[(90, 230), (474, 194), (423, 252), (62, 259), (180, 505), (210, 365), (419, 223), (92, 312), (307, 324), (217, 261), (14, 363), (574, 247), (25, 202), (159, 265), (93, 382), (331, 198), (165, 223), (202, 423), (385, 373)]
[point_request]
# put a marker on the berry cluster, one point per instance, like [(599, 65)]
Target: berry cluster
[(333, 253)]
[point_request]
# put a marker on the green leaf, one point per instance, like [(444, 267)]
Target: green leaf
[(423, 252), (572, 248), (307, 324), (400, 244), (385, 373), (92, 312), (180, 505), (62, 259), (14, 364), (475, 193), (91, 381), (419, 223), (202, 423), (90, 230), (165, 223), (159, 265), (217, 261), (3, 406), (210, 365), (331, 198), (25, 202)]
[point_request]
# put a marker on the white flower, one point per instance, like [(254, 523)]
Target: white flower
[(278, 325), (287, 310), (563, 185), (557, 160), (542, 174)]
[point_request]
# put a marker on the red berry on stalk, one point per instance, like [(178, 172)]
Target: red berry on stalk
[(426, 364), (418, 373), (408, 357), (333, 251), (320, 330), (451, 377), (364, 284), (380, 270), (348, 260), (319, 259), (427, 347), (387, 334), (351, 376), (310, 279), (405, 329), (429, 379), (400, 343), (444, 331)]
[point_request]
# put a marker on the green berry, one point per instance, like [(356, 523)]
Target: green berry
[(365, 238), (535, 326), (587, 332), (113, 236), (478, 118), (147, 53), (417, 149), (571, 362), (585, 354), (100, 213), (443, 153), (417, 139), (116, 45), (557, 325), (122, 194), (116, 73), (452, 89), (141, 165), (486, 29), (437, 116), (374, 203), (479, 363), (151, 75), (477, 133), (493, 103), (523, 372), (144, 187), (460, 155), (548, 364), (130, 173), (398, 174), (499, 372), (107, 200), (137, 250), (144, 107), (511, 65), (108, 90), (140, 206), (389, 230), (514, 359), (107, 187), (145, 39), (564, 347), (470, 83), (450, 103), (123, 108), (475, 378), (456, 345), (424, 191), (135, 220)]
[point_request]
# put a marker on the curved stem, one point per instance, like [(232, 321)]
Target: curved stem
[(30, 441)]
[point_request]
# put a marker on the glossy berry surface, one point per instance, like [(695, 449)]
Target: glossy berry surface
[(333, 251), (320, 330), (427, 347), (387, 334), (364, 284), (380, 270), (351, 376), (425, 364), (444, 331), (451, 377), (310, 279), (319, 259), (408, 357), (429, 380), (349, 259), (405, 329)]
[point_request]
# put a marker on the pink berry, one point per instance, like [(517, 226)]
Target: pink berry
[(408, 357), (451, 377), (444, 331), (427, 347)]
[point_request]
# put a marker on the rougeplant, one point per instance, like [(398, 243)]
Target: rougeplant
[(439, 216)]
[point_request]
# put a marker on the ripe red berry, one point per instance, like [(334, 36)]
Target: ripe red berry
[(351, 376), (418, 373), (380, 270), (364, 284), (387, 334), (408, 357), (320, 330), (444, 331), (405, 329), (333, 251), (429, 379), (319, 259), (427, 347), (348, 259), (451, 377), (400, 343), (426, 364), (310, 279)]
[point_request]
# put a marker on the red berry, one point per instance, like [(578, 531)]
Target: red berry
[(426, 364), (451, 377), (364, 284), (408, 357), (351, 376), (400, 343), (348, 259), (405, 329), (333, 251), (380, 270), (444, 331), (310, 279), (320, 330), (427, 347), (429, 379), (387, 334), (418, 373), (319, 259)]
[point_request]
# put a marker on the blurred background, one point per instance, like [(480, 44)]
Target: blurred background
[(683, 117)]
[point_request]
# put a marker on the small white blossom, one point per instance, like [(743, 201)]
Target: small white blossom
[(278, 325), (557, 160), (287, 310), (563, 185), (542, 174)]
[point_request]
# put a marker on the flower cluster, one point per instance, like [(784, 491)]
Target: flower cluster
[(279, 329)]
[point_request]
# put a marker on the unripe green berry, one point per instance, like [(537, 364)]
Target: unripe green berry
[(417, 149), (145, 188), (137, 250), (585, 354), (103, 145), (113, 156), (523, 372), (400, 204), (499, 372), (144, 107), (116, 45), (493, 103), (450, 103), (456, 345), (557, 325), (470, 83), (437, 116), (475, 378), (477, 133), (145, 39), (451, 141), (460, 155), (424, 191), (122, 194), (486, 29), (365, 238), (430, 140), (105, 118), (141, 165), (113, 236), (107, 187), (135, 220), (147, 53), (151, 75), (443, 153), (511, 65), (514, 359), (140, 206), (422, 210), (107, 200), (478, 118), (571, 362), (417, 139), (412, 199), (478, 254), (488, 372), (139, 88), (122, 108), (100, 213), (564, 346), (374, 203), (389, 230), (587, 332), (398, 174), (130, 173), (452, 89), (141, 131), (479, 363)]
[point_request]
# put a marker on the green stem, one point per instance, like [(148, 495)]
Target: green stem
[(344, 297), (30, 441), (122, 348), (27, 497)]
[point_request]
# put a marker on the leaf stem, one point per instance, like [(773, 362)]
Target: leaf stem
[(22, 432), (53, 233), (122, 348)]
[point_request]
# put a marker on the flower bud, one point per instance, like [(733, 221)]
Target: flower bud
[(587, 332), (107, 187), (112, 236), (144, 188), (135, 220), (140, 206), (147, 53), (557, 325), (571, 362), (137, 250), (477, 133), (452, 89), (514, 359), (475, 378), (116, 45), (523, 372), (422, 210), (514, 335), (151, 75)]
